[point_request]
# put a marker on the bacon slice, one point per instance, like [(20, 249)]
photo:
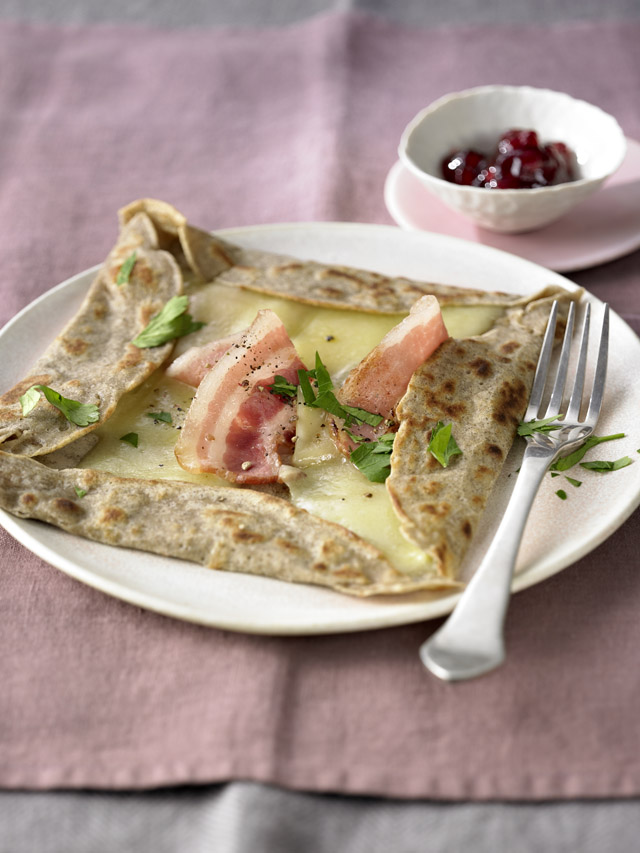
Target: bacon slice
[(192, 366), (236, 427), (381, 379)]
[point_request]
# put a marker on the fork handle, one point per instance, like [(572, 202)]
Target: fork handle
[(470, 642)]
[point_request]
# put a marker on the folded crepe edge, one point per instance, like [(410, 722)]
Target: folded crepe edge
[(307, 281), (218, 527), (93, 360), (481, 386)]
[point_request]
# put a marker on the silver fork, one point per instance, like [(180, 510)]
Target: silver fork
[(470, 643)]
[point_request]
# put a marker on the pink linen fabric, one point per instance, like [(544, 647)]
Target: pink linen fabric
[(298, 123)]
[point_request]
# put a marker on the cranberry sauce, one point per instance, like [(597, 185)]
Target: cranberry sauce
[(519, 162)]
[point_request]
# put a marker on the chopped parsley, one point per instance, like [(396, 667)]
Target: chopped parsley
[(442, 445), (125, 269), (327, 400), (80, 492), (603, 466), (349, 414), (373, 458), (81, 414), (322, 377), (308, 394), (567, 462), (165, 417), (544, 425), (597, 465), (131, 438), (325, 397), (573, 458), (172, 322), (282, 387)]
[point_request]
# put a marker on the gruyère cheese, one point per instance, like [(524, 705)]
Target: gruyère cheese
[(331, 487)]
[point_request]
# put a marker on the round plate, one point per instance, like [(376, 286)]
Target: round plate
[(603, 227), (558, 533)]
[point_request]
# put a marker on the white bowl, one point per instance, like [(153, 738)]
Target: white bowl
[(476, 118)]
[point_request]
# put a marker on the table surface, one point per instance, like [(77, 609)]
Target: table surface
[(247, 816)]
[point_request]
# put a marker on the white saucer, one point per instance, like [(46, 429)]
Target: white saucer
[(602, 228)]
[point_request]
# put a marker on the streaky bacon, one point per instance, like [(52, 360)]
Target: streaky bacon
[(192, 366), (236, 427), (381, 379)]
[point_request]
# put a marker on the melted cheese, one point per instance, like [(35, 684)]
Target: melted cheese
[(332, 487)]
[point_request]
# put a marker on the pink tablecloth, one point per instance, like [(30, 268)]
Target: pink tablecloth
[(243, 127)]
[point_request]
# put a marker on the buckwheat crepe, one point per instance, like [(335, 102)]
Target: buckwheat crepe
[(93, 359), (479, 384)]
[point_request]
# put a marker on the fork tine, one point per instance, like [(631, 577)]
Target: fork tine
[(555, 403), (573, 412), (540, 379), (600, 373)]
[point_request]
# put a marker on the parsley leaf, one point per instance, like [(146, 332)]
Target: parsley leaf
[(125, 269), (283, 387), (373, 458), (544, 425), (29, 400), (349, 414), (80, 492), (328, 401), (362, 416), (443, 445), (573, 458), (81, 414), (172, 322), (131, 438), (308, 394), (321, 375), (165, 417), (603, 466)]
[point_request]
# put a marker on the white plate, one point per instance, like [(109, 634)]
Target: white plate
[(603, 227), (558, 532)]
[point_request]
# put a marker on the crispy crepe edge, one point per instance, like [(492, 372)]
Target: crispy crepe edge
[(217, 527)]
